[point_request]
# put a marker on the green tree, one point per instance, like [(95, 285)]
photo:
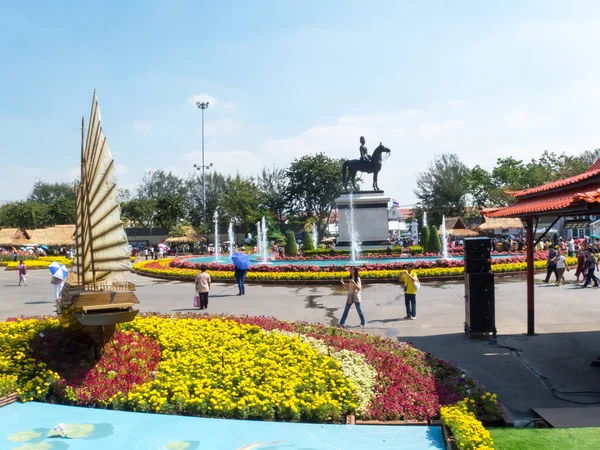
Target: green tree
[(216, 184), (272, 185), (307, 241), (434, 244), (314, 182), (44, 192), (442, 188), (138, 212), (25, 215), (240, 201), (425, 238), (291, 248), (170, 210)]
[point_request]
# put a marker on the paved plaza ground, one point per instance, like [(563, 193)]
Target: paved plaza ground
[(567, 320)]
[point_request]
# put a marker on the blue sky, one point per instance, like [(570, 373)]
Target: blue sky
[(481, 79)]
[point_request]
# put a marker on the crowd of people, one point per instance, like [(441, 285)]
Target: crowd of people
[(586, 252)]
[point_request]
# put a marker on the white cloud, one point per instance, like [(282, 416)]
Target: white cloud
[(202, 98), (219, 127), (121, 169), (430, 130), (212, 102), (142, 127), (519, 120)]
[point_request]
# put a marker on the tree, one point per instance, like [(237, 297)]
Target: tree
[(442, 187), (240, 201), (215, 186), (314, 182), (24, 215), (170, 210), (139, 213), (307, 241), (44, 192), (434, 245), (158, 183), (425, 238), (291, 248), (272, 185)]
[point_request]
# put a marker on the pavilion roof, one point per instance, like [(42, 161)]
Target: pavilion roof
[(569, 195)]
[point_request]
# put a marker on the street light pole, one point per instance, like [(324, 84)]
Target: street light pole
[(203, 106)]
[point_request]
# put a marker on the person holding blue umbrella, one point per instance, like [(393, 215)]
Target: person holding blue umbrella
[(59, 274), (241, 263)]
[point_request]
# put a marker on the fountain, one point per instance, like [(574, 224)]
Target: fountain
[(315, 235), (261, 240), (354, 238), (216, 217), (231, 238), (424, 218), (444, 238)]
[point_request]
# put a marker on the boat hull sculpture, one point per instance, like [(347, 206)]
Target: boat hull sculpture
[(96, 296)]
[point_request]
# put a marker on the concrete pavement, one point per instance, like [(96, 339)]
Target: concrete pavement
[(567, 320)]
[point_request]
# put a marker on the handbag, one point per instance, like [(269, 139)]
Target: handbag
[(196, 301), (417, 285)]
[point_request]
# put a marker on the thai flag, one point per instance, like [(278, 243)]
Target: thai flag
[(395, 203)]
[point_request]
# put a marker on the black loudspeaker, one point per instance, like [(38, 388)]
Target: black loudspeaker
[(477, 265), (478, 248), (480, 314)]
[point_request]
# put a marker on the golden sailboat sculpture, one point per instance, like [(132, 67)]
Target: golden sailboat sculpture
[(97, 296)]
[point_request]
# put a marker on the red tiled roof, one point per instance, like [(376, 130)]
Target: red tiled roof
[(539, 204), (559, 183), (595, 166), (550, 202)]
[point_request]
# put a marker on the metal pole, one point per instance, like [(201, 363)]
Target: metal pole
[(203, 177), (530, 280)]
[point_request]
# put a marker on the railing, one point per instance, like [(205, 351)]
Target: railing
[(70, 291)]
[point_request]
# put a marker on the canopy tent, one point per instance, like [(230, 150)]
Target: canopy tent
[(574, 196)]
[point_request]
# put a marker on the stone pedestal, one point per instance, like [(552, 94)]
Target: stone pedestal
[(370, 219)]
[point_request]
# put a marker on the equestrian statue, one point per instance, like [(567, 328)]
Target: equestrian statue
[(366, 164)]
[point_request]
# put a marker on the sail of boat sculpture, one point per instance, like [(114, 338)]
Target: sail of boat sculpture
[(97, 295)]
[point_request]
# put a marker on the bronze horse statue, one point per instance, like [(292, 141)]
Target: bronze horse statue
[(351, 166)]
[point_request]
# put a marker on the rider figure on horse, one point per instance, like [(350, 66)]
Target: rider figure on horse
[(364, 154)]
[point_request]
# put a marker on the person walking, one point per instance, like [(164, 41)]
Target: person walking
[(561, 265), (591, 264), (240, 276), (354, 297), (551, 264), (571, 247), (203, 286), (580, 265), (22, 268), (410, 280)]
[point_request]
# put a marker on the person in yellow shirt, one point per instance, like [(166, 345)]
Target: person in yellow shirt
[(409, 278)]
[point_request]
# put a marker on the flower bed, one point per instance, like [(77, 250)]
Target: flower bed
[(187, 270), (235, 367), (468, 432)]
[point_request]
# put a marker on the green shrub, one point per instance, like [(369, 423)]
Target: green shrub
[(307, 242), (291, 248), (434, 245), (425, 238), (415, 250)]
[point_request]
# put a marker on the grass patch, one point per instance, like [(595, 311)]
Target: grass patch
[(546, 438)]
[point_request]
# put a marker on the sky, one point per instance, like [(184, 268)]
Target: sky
[(285, 79)]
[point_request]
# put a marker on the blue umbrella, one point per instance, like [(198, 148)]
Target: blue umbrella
[(44, 247), (58, 270), (241, 260)]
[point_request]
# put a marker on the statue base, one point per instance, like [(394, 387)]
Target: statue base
[(370, 219)]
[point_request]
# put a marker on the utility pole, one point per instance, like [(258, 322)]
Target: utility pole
[(203, 106)]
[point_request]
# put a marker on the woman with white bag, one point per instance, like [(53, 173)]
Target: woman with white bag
[(411, 286)]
